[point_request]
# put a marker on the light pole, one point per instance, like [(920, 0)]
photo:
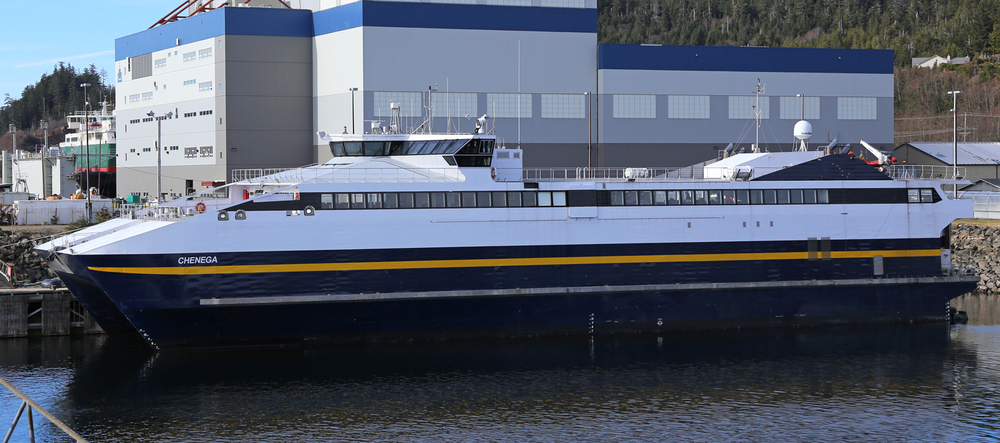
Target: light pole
[(954, 147), (86, 125), (159, 152), (590, 133), (353, 90), (45, 148)]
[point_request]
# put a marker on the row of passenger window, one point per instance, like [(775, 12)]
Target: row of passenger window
[(720, 197), (404, 200)]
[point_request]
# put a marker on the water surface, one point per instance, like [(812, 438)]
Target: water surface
[(930, 382)]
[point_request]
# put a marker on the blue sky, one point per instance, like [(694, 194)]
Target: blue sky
[(35, 36)]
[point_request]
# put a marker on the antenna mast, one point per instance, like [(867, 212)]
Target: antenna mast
[(756, 111)]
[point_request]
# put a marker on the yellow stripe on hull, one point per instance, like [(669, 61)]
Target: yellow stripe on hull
[(495, 262)]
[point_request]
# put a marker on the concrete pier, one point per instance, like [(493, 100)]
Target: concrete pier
[(30, 311)]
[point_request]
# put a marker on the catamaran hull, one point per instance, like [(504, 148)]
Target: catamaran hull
[(360, 295)]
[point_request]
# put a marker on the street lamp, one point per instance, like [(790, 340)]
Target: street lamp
[(159, 152), (86, 125), (954, 125), (590, 133), (353, 90)]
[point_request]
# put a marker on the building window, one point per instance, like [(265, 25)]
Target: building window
[(791, 108), (205, 86), (189, 82), (190, 114), (147, 96), (205, 151), (563, 4), (147, 149), (456, 104), (563, 106), (741, 107), (508, 2), (147, 120), (133, 98), (190, 152), (856, 108), (410, 103), (506, 105), (634, 106), (188, 56), (208, 112), (207, 52), (688, 106), (160, 63)]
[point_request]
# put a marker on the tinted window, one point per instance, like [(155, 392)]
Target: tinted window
[(405, 200), (513, 198), (631, 198), (809, 196), (729, 197), (499, 199), (822, 196), (796, 196), (391, 200), (701, 197), (783, 196), (715, 197), (437, 199), (528, 198), (659, 197), (558, 199), (742, 197), (374, 201), (645, 198), (617, 198), (770, 197), (326, 201), (422, 200), (687, 197), (352, 148), (357, 201), (454, 200), (469, 199), (483, 199), (673, 197), (544, 198), (343, 201)]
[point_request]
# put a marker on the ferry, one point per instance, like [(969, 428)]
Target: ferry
[(404, 236), (91, 140)]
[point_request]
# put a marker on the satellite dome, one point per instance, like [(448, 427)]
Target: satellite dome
[(803, 130)]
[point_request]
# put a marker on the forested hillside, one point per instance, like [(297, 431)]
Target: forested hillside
[(913, 28), (51, 99)]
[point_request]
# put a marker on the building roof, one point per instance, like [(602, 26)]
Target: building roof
[(991, 182), (968, 153)]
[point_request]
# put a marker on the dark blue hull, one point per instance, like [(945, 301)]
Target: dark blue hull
[(252, 298), (548, 314)]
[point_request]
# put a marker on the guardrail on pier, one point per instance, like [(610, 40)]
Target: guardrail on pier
[(30, 404)]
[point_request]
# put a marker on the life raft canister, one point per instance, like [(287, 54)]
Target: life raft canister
[(200, 207), (246, 194)]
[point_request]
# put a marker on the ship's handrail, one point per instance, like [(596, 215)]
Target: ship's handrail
[(609, 174), (334, 174), (925, 172)]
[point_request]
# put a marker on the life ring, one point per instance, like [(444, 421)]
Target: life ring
[(493, 173), (200, 207)]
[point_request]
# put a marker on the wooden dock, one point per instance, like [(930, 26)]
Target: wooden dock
[(40, 311)]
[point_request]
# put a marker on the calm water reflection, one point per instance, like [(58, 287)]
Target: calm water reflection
[(926, 382)]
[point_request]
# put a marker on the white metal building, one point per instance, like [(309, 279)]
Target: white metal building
[(250, 87)]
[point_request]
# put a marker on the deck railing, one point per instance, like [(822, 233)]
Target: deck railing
[(925, 172), (611, 174), (330, 174)]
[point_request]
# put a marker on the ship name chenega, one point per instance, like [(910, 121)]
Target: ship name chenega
[(200, 260)]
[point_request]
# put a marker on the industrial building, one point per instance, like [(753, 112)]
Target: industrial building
[(979, 160), (244, 85)]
